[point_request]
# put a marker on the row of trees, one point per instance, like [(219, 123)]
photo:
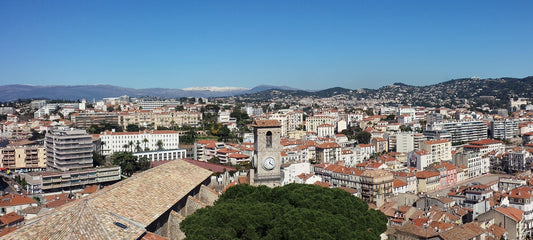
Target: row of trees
[(294, 211)]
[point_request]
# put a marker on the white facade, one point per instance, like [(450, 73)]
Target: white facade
[(477, 165), (420, 159), (291, 172), (140, 141), (162, 155), (440, 150), (405, 142)]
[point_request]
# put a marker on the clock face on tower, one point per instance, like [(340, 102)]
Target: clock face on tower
[(269, 163)]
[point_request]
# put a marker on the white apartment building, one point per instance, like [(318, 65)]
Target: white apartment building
[(466, 131), (162, 155), (312, 123), (477, 165), (291, 171), (151, 105), (504, 129), (440, 150), (138, 141), (325, 130), (405, 142), (420, 159), (68, 149), (484, 146)]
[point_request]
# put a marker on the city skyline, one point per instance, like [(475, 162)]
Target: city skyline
[(307, 45)]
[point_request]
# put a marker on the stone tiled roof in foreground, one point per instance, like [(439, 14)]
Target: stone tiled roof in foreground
[(135, 202)]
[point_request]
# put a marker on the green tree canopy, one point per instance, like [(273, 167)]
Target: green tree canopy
[(363, 137), (294, 211), (128, 163), (132, 128)]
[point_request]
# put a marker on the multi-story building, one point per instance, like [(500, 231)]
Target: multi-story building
[(509, 218), (440, 150), (466, 131), (484, 146), (477, 198), (517, 160), (522, 198), (504, 129), (23, 158), (312, 123), (405, 142), (376, 186), (325, 131), (138, 141), (408, 178), (168, 119), (151, 105), (420, 159), (476, 164), (55, 181), (206, 149), (329, 152), (162, 155), (69, 149), (427, 181), (85, 120), (381, 144)]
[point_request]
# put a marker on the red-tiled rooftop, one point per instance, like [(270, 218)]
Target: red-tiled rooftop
[(210, 166), (485, 142), (514, 213), (426, 174), (15, 199), (437, 141), (11, 218), (266, 123)]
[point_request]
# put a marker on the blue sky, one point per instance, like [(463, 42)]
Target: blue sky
[(303, 44)]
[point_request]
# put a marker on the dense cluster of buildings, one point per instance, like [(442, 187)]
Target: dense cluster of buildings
[(418, 165)]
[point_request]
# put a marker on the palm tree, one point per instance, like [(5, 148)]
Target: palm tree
[(130, 145), (145, 142), (102, 144), (125, 146), (138, 146), (159, 145)]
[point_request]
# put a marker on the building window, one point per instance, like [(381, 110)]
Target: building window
[(269, 139)]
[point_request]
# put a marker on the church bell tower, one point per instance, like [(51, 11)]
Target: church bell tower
[(267, 154)]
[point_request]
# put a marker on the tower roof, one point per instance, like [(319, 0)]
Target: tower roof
[(266, 123)]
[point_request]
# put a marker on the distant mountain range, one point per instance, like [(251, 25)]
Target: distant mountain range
[(464, 92), (89, 92), (450, 93)]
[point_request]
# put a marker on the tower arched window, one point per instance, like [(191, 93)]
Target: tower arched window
[(269, 139)]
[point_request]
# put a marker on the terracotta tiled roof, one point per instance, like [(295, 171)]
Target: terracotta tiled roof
[(521, 192), (135, 203), (11, 218), (7, 230), (514, 213), (238, 155), (90, 189), (15, 199), (322, 184), (470, 230), (329, 145), (398, 183), (437, 141), (426, 174), (485, 142), (266, 123)]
